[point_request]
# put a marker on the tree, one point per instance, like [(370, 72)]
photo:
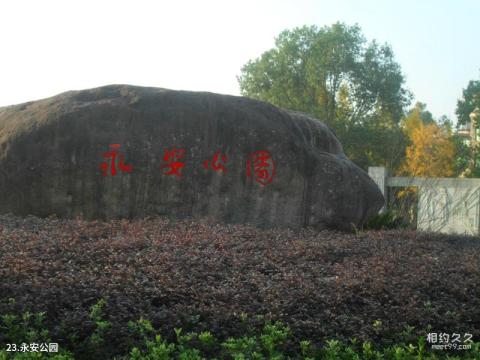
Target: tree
[(417, 116), (470, 99), (375, 143), (468, 152), (425, 115), (463, 158), (310, 67), (431, 152), (333, 74)]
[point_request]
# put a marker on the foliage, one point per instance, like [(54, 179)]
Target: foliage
[(270, 344), (101, 325), (310, 68), (470, 99), (389, 219), (432, 151), (416, 117), (204, 277), (26, 328), (374, 143), (465, 106), (463, 159)]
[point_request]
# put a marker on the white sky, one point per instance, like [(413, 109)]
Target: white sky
[(53, 46)]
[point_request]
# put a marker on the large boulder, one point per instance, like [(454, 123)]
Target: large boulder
[(128, 151)]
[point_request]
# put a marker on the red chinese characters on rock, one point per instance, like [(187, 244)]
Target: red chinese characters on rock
[(112, 155), (260, 164), (217, 162), (263, 167), (170, 158)]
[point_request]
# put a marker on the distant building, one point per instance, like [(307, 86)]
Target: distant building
[(465, 132)]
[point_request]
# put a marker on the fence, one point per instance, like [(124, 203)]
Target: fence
[(447, 205)]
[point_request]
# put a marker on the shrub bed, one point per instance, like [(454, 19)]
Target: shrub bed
[(232, 279)]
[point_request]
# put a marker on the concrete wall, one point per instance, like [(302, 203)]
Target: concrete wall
[(446, 205)]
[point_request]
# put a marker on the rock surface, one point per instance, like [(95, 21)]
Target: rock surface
[(51, 153)]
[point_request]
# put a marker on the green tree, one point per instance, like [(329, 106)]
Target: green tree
[(423, 114), (465, 106), (333, 74), (470, 99), (375, 143), (463, 156), (311, 68)]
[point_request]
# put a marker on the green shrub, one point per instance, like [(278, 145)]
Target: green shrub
[(390, 219), (268, 344), (26, 328)]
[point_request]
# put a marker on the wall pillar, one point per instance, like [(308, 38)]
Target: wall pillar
[(379, 175)]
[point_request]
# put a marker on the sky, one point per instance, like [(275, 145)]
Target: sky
[(49, 47)]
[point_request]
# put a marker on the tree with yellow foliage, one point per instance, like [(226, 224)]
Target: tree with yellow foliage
[(431, 152)]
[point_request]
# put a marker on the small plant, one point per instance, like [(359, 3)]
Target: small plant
[(332, 349), (428, 305), (269, 344), (377, 325), (407, 334), (243, 316), (142, 326), (25, 328), (306, 349), (355, 229), (96, 313), (389, 219), (207, 339), (241, 346), (274, 335), (156, 349)]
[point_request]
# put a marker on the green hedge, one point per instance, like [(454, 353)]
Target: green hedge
[(271, 343)]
